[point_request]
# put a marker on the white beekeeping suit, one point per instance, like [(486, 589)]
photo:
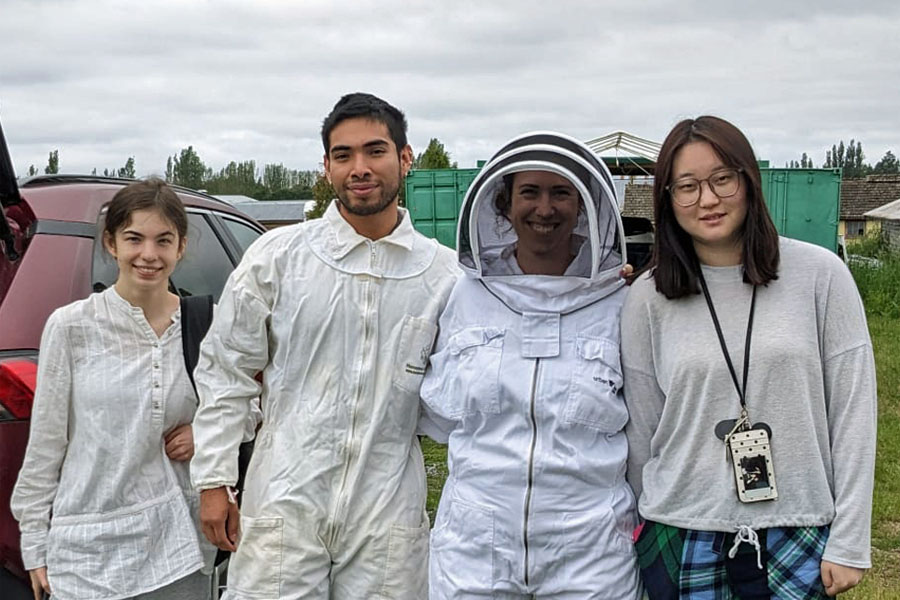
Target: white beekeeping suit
[(525, 384), (341, 327)]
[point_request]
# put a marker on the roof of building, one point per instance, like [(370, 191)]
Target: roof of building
[(888, 212), (631, 155), (638, 201), (275, 211), (233, 199), (859, 196)]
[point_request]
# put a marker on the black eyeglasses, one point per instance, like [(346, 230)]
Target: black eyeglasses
[(722, 183)]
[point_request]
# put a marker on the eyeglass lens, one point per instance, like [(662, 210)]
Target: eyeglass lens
[(723, 183)]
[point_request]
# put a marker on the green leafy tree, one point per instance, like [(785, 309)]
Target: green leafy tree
[(52, 163), (32, 171), (850, 158), (887, 165), (434, 157), (235, 178), (854, 161), (282, 183), (170, 171), (276, 177), (188, 170), (806, 162), (323, 194), (128, 170)]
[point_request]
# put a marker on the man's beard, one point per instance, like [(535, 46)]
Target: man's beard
[(363, 209)]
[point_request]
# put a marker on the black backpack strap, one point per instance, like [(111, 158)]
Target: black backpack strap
[(196, 316)]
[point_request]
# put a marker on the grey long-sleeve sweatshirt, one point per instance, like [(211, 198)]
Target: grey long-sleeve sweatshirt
[(811, 378)]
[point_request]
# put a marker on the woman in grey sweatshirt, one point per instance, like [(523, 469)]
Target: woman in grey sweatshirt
[(750, 383)]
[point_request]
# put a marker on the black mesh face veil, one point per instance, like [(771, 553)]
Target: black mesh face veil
[(486, 238), (561, 141)]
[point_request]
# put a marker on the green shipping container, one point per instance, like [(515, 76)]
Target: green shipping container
[(804, 203), (433, 197)]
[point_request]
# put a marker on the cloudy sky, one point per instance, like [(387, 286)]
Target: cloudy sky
[(105, 80)]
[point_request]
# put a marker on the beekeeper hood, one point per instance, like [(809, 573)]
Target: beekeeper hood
[(487, 241)]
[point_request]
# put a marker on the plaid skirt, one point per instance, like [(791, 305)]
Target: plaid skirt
[(680, 563)]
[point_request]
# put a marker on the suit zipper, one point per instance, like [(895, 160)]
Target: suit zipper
[(369, 293), (534, 378)]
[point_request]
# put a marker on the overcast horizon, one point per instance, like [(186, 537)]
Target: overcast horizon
[(101, 81)]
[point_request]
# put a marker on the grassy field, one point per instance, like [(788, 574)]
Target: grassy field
[(883, 581), (879, 286), (881, 293)]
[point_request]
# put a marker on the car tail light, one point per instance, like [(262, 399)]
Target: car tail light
[(18, 377)]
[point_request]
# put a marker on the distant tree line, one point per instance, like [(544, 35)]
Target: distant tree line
[(851, 159), (277, 182), (272, 182)]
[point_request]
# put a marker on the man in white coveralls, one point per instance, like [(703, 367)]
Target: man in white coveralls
[(339, 314)]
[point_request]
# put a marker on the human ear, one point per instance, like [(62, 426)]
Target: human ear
[(109, 242), (406, 159), (327, 165)]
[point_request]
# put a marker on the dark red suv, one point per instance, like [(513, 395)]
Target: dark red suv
[(50, 255)]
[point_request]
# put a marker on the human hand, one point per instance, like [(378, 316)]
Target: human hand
[(219, 518), (838, 578), (626, 271), (40, 585), (180, 443)]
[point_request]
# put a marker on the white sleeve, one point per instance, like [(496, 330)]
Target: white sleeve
[(234, 350), (434, 420), (38, 481), (434, 426)]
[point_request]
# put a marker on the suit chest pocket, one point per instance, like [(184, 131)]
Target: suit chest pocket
[(594, 398), (416, 340)]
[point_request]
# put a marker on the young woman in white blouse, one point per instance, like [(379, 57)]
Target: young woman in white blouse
[(103, 499)]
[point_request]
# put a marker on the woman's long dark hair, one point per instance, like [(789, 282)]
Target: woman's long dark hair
[(675, 265)]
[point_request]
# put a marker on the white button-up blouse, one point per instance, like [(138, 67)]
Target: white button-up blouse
[(98, 501)]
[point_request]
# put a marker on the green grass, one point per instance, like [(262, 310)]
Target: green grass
[(872, 245), (435, 472), (879, 286), (881, 295), (883, 581)]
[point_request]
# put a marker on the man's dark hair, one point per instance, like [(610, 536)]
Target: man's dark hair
[(675, 263), (366, 106)]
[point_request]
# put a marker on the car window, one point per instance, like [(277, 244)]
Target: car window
[(244, 234), (203, 270), (205, 265)]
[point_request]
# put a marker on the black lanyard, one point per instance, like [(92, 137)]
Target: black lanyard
[(741, 390)]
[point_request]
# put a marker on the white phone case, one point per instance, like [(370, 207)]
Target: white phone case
[(754, 472)]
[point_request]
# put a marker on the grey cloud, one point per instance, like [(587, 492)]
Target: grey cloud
[(103, 80)]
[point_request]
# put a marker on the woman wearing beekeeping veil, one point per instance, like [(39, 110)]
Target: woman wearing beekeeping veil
[(524, 385)]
